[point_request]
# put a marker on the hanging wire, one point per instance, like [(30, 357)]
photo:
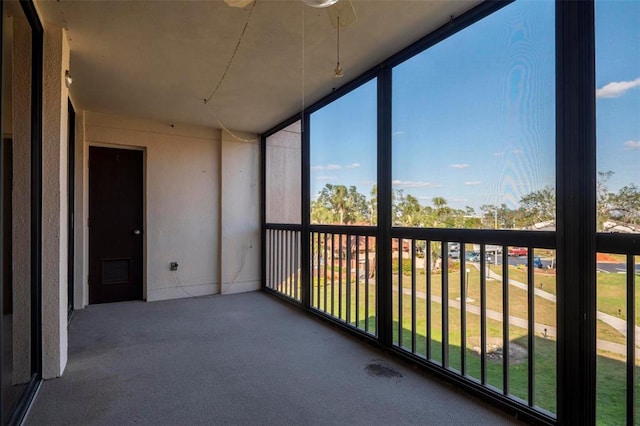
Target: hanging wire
[(223, 127), (338, 70), (233, 55), (224, 75)]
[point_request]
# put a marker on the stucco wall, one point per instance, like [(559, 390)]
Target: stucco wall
[(182, 197), (283, 171), (54, 202), (240, 240)]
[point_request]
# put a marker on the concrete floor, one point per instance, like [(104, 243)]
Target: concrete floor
[(239, 359)]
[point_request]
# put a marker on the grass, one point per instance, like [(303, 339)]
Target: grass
[(611, 399), (612, 295)]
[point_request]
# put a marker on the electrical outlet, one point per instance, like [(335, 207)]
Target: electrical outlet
[(173, 266)]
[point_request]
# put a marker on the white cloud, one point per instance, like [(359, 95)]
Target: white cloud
[(632, 145), (616, 88), (425, 198), (459, 166), (498, 154), (413, 184), (517, 151), (325, 178), (336, 167), (473, 183)]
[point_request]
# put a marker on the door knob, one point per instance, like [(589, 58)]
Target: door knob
[(136, 232)]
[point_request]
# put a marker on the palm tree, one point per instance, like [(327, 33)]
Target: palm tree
[(439, 202)]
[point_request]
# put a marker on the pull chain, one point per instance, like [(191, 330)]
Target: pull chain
[(338, 71)]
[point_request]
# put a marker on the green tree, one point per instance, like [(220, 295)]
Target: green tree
[(337, 204), (501, 217), (539, 206), (625, 204), (603, 201), (373, 205), (408, 211)]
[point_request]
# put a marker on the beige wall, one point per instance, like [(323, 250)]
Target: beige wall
[(201, 197), (283, 184), (182, 182), (54, 202), (240, 242)]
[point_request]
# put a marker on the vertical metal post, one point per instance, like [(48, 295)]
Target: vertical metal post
[(413, 295), (444, 255), (383, 247), (348, 283), (631, 338), (3, 69), (296, 266), (483, 314), (505, 320), (263, 210), (37, 42), (464, 278), (427, 265), (305, 197), (340, 276), (576, 211), (366, 284), (357, 246), (531, 327), (400, 292)]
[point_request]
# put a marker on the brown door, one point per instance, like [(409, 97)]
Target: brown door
[(115, 225)]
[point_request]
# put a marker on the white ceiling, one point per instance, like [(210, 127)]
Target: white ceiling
[(160, 59)]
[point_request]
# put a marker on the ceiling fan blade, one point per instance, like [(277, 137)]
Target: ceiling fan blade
[(319, 3), (343, 9), (237, 3)]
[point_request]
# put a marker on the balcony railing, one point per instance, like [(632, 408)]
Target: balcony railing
[(344, 275), (463, 304), (618, 332), (460, 304), (282, 267)]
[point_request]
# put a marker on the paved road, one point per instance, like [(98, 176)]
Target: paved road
[(619, 268), (615, 268), (513, 260), (540, 329), (618, 324)]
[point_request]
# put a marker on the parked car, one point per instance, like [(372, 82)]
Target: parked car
[(472, 256), (517, 251), (537, 263), (454, 253)]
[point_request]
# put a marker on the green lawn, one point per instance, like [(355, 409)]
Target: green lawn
[(612, 295), (611, 379)]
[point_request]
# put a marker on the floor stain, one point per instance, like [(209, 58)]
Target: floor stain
[(377, 369)]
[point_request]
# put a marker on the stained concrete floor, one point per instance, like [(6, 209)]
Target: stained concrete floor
[(244, 359)]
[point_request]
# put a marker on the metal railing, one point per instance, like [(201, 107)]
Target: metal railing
[(463, 304), (459, 304), (344, 275), (621, 271), (282, 266)]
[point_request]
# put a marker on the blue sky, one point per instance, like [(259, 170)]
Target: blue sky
[(474, 116), (618, 94)]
